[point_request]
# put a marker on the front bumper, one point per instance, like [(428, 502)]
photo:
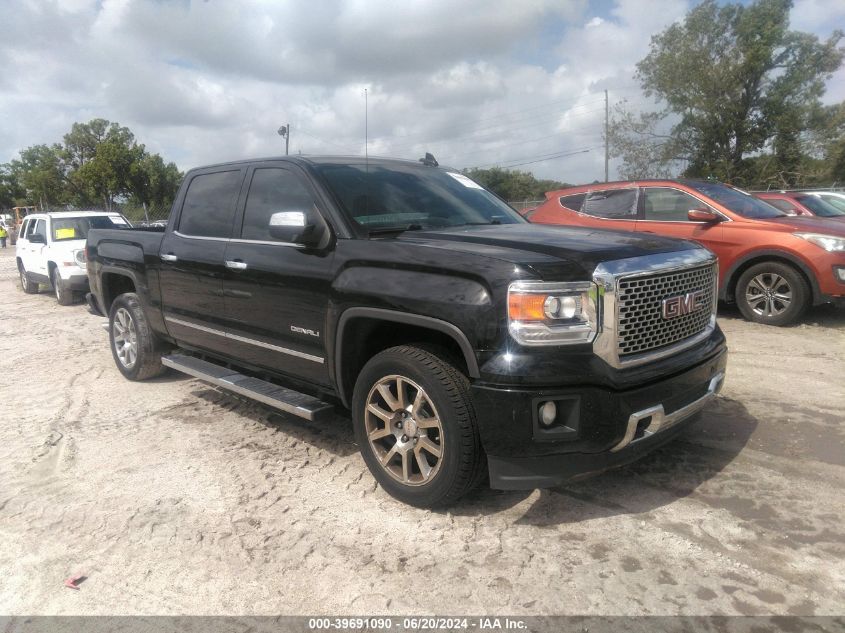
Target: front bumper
[(77, 283), (596, 429)]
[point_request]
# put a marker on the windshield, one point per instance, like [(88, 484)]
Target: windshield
[(384, 197), (738, 201), (834, 200), (821, 208), (76, 228)]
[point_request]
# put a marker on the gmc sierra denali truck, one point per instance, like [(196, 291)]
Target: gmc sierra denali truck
[(466, 342)]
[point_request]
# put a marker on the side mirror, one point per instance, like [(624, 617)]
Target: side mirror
[(703, 215), (297, 227), (37, 238)]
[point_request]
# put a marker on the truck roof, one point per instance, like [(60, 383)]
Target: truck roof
[(58, 214), (323, 160)]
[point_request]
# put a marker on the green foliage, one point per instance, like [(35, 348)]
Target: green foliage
[(734, 82), (99, 165), (513, 185)]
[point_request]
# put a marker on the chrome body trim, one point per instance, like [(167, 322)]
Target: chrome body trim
[(243, 339), (238, 240), (660, 420), (607, 276)]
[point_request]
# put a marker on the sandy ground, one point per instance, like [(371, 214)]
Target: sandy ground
[(173, 498)]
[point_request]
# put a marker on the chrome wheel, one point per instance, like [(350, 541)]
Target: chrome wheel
[(23, 277), (56, 282), (404, 430), (125, 338), (768, 294)]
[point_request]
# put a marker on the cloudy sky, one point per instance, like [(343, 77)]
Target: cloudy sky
[(476, 82)]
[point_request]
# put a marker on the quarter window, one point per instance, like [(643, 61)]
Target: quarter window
[(616, 204), (573, 202), (209, 207), (272, 190), (662, 204)]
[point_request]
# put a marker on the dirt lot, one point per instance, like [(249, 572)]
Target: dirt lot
[(173, 498)]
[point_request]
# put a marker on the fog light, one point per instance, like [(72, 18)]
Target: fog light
[(548, 413), (840, 273)]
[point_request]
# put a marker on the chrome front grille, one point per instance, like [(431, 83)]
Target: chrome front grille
[(641, 326)]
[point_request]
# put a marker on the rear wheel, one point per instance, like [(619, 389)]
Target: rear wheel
[(29, 287), (135, 348), (415, 424), (772, 293), (63, 294)]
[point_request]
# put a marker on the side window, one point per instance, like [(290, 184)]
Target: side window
[(40, 229), (573, 202), (616, 204), (272, 190), (783, 205), (209, 207), (662, 204), (25, 228)]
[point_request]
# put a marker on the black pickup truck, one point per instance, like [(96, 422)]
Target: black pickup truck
[(465, 341)]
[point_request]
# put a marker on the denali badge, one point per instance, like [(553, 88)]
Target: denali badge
[(302, 330), (674, 307)]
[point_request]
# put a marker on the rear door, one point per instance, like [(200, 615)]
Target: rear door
[(191, 267), (36, 260), (276, 292), (665, 213), (611, 208)]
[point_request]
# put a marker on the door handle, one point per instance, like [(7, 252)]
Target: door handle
[(235, 265), (169, 257)]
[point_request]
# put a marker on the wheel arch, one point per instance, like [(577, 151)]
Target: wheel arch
[(728, 291), (363, 332), (115, 282)]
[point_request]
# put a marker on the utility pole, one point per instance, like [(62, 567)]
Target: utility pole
[(606, 140), (366, 127), (284, 132)]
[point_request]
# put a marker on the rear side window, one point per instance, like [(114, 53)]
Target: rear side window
[(209, 207), (25, 228), (573, 202), (619, 204), (272, 190)]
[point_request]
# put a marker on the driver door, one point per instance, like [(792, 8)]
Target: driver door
[(665, 213)]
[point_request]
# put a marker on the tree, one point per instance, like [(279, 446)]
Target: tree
[(41, 174), (513, 185), (733, 81)]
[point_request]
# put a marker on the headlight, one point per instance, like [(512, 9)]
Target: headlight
[(541, 313), (79, 257), (830, 243)]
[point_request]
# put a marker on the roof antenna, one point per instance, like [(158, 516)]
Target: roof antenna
[(429, 160)]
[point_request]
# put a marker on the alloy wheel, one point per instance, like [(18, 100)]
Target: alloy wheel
[(768, 294), (125, 338), (404, 430)]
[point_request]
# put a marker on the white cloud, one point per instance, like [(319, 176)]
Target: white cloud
[(474, 82)]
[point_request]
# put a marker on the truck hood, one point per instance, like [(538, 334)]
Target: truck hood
[(547, 248)]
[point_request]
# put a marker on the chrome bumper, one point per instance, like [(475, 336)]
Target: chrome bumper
[(660, 420)]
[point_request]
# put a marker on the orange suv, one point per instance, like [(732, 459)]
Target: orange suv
[(774, 266)]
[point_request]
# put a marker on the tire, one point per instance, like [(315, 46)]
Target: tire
[(29, 287), (63, 295), (433, 427), (135, 348), (772, 293)]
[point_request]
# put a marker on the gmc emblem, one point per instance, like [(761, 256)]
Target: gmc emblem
[(674, 307)]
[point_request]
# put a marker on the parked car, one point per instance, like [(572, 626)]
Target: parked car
[(466, 341), (833, 198), (802, 204), (772, 265), (51, 250)]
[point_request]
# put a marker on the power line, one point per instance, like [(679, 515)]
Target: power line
[(574, 150), (542, 160)]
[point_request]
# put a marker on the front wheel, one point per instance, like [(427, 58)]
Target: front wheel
[(772, 293), (29, 287), (64, 295), (415, 424), (135, 348)]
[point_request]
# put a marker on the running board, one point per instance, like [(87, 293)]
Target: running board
[(286, 400)]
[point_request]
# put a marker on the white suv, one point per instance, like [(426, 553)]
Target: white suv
[(51, 250)]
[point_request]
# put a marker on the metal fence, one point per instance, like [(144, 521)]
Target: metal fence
[(522, 205)]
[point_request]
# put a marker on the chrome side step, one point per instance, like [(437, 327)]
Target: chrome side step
[(286, 400)]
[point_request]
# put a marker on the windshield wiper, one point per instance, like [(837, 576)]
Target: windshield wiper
[(395, 229), (493, 221)]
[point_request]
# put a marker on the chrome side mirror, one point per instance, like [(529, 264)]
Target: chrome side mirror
[(297, 227)]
